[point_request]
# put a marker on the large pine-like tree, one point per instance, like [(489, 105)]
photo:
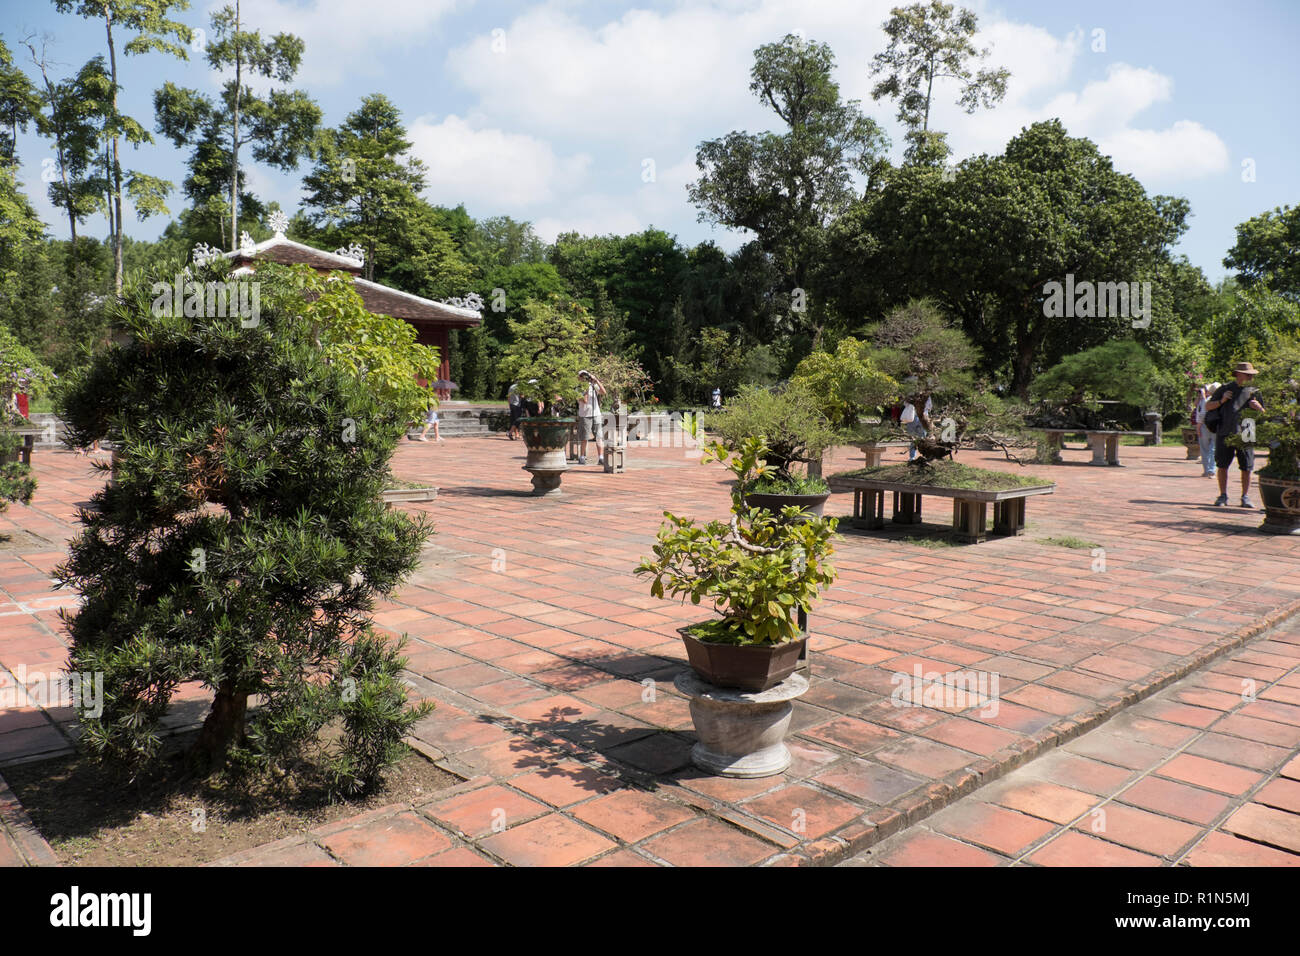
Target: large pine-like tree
[(244, 538)]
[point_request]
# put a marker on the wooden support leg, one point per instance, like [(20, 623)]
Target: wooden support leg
[(907, 508), (969, 520), (868, 509), (1009, 516)]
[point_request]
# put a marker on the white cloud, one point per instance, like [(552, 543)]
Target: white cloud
[(488, 165), (1186, 150), (344, 38)]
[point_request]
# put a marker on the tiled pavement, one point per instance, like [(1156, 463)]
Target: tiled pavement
[(1204, 773), (553, 666)]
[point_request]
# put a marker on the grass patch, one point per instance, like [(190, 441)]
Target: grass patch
[(941, 541), (947, 474), (1066, 541)]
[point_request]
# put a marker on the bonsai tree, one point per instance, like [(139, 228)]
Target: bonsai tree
[(789, 422), (243, 542), (757, 569), (847, 383), (927, 356), (1118, 371), (552, 344)]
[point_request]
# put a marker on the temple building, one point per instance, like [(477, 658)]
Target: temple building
[(432, 320)]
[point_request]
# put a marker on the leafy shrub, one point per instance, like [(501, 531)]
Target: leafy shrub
[(789, 422), (243, 542)]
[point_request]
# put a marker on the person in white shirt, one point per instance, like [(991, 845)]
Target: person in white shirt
[(589, 417), (913, 424)]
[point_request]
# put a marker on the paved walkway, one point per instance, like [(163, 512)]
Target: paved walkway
[(553, 667), (1186, 777)]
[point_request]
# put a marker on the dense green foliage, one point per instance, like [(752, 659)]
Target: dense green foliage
[(242, 543), (948, 474)]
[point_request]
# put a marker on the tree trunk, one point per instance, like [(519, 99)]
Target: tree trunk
[(234, 143), (223, 727), (117, 168)]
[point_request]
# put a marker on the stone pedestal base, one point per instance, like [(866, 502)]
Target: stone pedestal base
[(547, 468), (741, 734)]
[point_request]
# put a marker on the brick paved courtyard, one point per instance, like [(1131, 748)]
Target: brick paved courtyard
[(552, 668)]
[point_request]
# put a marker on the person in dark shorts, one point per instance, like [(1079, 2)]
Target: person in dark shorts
[(1230, 399), (516, 403)]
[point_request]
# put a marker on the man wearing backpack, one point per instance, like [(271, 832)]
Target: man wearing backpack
[(1223, 415)]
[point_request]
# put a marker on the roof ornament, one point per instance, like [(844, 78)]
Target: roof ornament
[(247, 246), (473, 301), (204, 253), (278, 222), (352, 251)]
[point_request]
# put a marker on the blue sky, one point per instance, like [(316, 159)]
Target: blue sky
[(586, 115)]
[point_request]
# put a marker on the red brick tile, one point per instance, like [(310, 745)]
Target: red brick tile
[(1281, 793), (479, 812), (1045, 800), (389, 841), (632, 815), (804, 811), (1277, 828), (1209, 774), (552, 840), (1075, 849), (708, 843), (1001, 830), (1148, 832), (923, 848), (1221, 849), (1175, 800), (563, 784)]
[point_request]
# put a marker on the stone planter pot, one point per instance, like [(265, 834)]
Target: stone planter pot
[(1193, 442), (741, 734), (545, 439), (810, 505), (752, 669), (1281, 500)]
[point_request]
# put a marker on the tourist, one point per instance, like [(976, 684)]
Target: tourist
[(717, 398), (430, 420), (1229, 400), (589, 417), (516, 404), (913, 425), (1204, 435)]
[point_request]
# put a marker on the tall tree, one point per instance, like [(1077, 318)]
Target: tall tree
[(74, 112), (279, 126), (929, 42), (364, 184), (986, 244), (149, 21), (787, 187), (19, 104), (1267, 251)]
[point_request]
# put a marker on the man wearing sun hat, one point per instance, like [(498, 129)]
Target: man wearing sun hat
[(1230, 399)]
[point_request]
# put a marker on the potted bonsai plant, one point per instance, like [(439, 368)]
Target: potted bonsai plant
[(551, 345), (791, 428), (850, 387), (761, 575)]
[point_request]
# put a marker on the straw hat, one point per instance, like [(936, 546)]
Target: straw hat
[(1244, 368)]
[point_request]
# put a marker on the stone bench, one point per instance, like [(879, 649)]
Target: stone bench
[(969, 507), (1104, 443), (875, 451), (24, 453)]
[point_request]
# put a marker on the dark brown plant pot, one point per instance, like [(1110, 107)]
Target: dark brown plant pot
[(810, 505), (1281, 500), (751, 668), (546, 434)]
